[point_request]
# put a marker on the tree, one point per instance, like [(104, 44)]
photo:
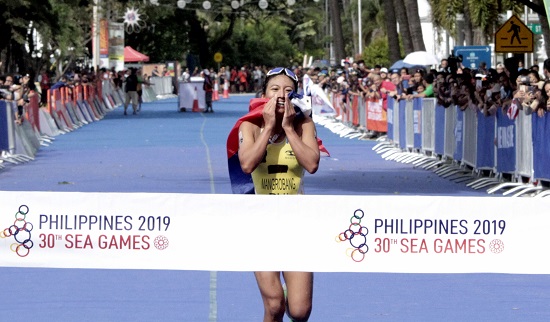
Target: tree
[(394, 51), (337, 34), (377, 53), (403, 21), (480, 15), (544, 25), (414, 25), (19, 20)]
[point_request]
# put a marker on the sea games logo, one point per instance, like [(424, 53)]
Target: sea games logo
[(356, 235), (107, 232), (21, 233), (423, 236)]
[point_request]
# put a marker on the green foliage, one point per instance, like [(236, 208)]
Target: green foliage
[(376, 53), (265, 43), (484, 13)]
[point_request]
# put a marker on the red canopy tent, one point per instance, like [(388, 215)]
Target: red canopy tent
[(133, 56)]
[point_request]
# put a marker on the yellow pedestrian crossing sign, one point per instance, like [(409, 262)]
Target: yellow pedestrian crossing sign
[(514, 37)]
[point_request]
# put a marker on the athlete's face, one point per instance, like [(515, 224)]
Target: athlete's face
[(279, 86)]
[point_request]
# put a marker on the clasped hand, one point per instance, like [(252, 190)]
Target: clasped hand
[(270, 114)]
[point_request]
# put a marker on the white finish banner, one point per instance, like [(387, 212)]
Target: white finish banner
[(216, 232)]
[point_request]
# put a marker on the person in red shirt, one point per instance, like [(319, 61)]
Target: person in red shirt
[(386, 87), (234, 80), (243, 82)]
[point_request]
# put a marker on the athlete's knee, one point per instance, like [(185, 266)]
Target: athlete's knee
[(275, 307), (299, 312)]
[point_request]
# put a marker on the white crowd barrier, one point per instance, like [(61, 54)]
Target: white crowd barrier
[(191, 96), (68, 109), (162, 86)]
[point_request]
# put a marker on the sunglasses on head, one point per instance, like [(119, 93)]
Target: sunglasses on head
[(281, 70)]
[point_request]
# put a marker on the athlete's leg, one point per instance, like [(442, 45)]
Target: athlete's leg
[(300, 294), (271, 289)]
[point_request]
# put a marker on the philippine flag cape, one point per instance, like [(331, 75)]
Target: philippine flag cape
[(241, 183)]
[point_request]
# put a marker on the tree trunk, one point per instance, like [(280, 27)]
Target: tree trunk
[(401, 15), (468, 26), (391, 32), (198, 37), (337, 34), (414, 25), (354, 24)]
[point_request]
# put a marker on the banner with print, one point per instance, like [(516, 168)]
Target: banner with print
[(505, 141), (485, 141), (216, 232), (459, 134), (541, 146), (391, 103), (376, 116), (417, 123)]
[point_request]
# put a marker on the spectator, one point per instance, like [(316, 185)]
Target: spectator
[(131, 91), (544, 103), (44, 81), (185, 76), (426, 89), (208, 89), (444, 66), (482, 68), (546, 68), (242, 79), (257, 76), (398, 90), (61, 83), (155, 72), (384, 73), (234, 80), (7, 88)]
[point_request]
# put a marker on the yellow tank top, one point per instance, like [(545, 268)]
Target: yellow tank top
[(279, 173)]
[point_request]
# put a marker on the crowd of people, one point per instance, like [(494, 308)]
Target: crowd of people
[(508, 85), (20, 88)]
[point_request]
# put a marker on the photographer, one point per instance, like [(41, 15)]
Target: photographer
[(527, 95), (455, 64)]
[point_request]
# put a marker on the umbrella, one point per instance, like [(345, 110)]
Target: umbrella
[(400, 64), (420, 58)]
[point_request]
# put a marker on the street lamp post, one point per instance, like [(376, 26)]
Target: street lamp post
[(359, 27)]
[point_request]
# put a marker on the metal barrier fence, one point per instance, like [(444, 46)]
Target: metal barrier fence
[(469, 155), (468, 139), (428, 125), (409, 125), (450, 132), (524, 145)]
